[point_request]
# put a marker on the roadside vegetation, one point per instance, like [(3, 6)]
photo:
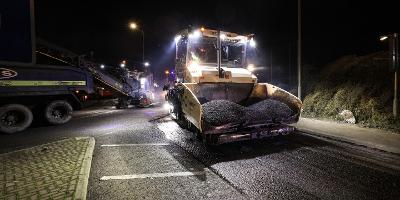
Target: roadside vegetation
[(361, 84)]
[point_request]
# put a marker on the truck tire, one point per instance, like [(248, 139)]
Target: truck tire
[(14, 118), (122, 103), (58, 112)]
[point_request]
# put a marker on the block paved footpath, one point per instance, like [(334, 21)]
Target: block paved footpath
[(58, 170)]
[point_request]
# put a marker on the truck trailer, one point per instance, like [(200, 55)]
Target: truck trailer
[(39, 80)]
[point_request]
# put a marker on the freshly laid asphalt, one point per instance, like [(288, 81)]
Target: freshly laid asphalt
[(140, 156)]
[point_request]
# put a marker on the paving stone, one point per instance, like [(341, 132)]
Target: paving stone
[(48, 171)]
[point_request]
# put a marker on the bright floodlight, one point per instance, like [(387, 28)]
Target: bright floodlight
[(177, 38), (222, 36), (146, 64), (133, 25), (251, 67), (252, 43), (195, 34), (122, 65), (102, 66), (382, 38), (193, 65), (243, 40)]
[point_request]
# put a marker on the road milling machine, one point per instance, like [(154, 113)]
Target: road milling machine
[(216, 94)]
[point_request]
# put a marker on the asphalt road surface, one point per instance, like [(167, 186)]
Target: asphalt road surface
[(140, 155)]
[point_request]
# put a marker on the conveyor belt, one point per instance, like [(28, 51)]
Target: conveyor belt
[(68, 57)]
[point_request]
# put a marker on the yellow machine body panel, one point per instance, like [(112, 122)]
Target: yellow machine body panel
[(197, 93), (191, 106), (205, 74), (263, 91)]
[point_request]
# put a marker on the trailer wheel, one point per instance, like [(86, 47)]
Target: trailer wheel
[(58, 112), (14, 118)]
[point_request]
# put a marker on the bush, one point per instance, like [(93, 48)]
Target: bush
[(363, 85)]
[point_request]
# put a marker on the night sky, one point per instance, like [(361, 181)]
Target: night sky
[(330, 28)]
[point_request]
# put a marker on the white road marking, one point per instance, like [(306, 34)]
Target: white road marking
[(132, 145), (153, 175)]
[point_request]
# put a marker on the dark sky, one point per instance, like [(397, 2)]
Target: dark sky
[(330, 28)]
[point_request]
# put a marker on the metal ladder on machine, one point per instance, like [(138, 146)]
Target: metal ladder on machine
[(68, 57)]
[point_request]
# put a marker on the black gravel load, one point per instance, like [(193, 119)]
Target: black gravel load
[(221, 112), (268, 110)]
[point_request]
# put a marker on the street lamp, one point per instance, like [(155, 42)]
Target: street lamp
[(146, 64), (383, 38), (299, 48), (394, 50), (134, 26)]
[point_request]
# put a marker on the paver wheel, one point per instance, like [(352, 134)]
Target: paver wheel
[(58, 112), (14, 118)]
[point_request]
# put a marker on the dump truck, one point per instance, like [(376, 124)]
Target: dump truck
[(217, 96), (42, 81)]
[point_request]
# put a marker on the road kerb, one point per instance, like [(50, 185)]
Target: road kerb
[(350, 141), (81, 187)]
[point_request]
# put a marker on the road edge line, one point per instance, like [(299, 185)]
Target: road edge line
[(83, 177)]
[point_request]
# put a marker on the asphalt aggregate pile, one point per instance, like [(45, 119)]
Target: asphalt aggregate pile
[(268, 110), (221, 112)]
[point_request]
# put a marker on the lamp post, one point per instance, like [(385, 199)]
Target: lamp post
[(299, 49), (394, 51), (134, 26)]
